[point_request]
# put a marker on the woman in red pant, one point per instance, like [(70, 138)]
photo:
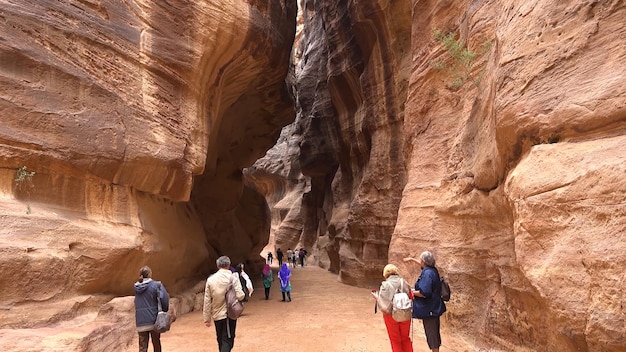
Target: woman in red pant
[(399, 332)]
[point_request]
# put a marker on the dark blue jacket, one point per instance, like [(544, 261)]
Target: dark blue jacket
[(146, 306), (429, 285)]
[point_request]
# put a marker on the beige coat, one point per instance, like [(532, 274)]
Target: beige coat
[(215, 294), (388, 288)]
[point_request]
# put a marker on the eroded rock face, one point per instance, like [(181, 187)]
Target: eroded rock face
[(511, 172), (343, 183), (512, 181), (136, 120)]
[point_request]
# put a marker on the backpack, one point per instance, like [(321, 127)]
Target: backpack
[(444, 293), (445, 290), (234, 307), (402, 307)]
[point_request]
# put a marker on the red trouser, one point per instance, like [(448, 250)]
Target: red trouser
[(399, 334)]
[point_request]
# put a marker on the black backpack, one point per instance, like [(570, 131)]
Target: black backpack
[(445, 290)]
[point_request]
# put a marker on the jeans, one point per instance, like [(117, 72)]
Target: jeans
[(144, 338)]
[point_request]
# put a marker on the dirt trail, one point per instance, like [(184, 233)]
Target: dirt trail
[(324, 316)]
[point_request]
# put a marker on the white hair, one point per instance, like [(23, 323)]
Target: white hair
[(428, 258)]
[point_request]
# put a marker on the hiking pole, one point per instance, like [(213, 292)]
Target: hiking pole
[(375, 302)]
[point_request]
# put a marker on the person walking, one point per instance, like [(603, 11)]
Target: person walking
[(294, 259), (285, 281), (146, 308), (246, 283), (301, 255), (289, 255), (427, 302), (399, 332), (237, 271), (214, 309), (270, 257), (279, 256), (268, 277)]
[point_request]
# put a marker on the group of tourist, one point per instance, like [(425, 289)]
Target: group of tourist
[(427, 303), (425, 295), (214, 308), (284, 275), (293, 257)]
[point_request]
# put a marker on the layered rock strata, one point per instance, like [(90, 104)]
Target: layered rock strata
[(342, 161), (504, 156), (513, 180)]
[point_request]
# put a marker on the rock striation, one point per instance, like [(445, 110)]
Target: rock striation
[(489, 132), (342, 161), (512, 181), (499, 147)]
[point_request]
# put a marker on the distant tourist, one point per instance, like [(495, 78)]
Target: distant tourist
[(285, 281), (146, 308), (399, 332), (246, 283), (214, 308), (289, 256), (279, 256), (242, 281), (302, 255), (294, 258), (268, 277), (427, 302), (270, 257)]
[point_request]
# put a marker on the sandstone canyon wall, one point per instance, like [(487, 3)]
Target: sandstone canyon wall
[(125, 127), (335, 178), (503, 155), (517, 183), (137, 119)]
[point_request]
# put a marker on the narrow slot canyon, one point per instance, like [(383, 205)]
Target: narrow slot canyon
[(169, 133)]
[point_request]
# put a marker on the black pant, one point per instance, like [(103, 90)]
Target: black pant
[(432, 331), (144, 339), (267, 293), (225, 331), (288, 295)]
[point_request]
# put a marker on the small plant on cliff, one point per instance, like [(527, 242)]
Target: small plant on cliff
[(24, 182), (459, 60)]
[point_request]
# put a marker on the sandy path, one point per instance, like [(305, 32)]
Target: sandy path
[(324, 316)]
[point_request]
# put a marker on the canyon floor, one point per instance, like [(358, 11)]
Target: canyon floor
[(324, 315)]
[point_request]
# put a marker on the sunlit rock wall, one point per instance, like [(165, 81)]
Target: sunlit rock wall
[(133, 121), (511, 168)]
